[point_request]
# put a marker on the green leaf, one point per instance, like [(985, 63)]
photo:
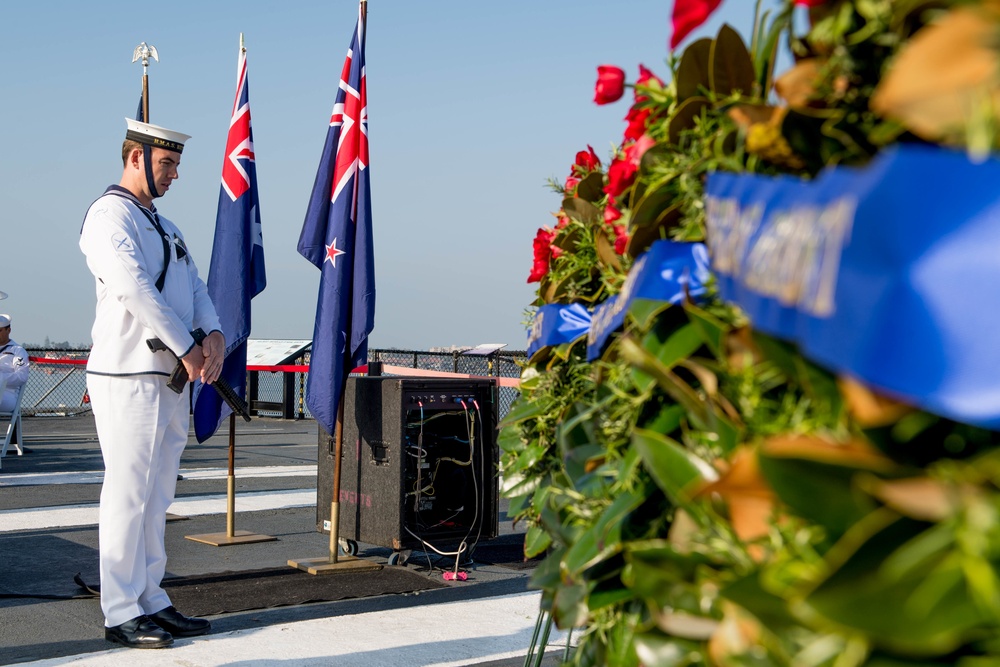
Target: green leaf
[(604, 538), (731, 68), (546, 574), (517, 505), (656, 571), (517, 484), (729, 434), (680, 344), (536, 541), (693, 72), (509, 440), (771, 610), (591, 188), (529, 457), (644, 311), (684, 117), (577, 439), (671, 466), (582, 210), (800, 483), (713, 331), (667, 420), (655, 649), (523, 410), (891, 612), (569, 608), (607, 597), (676, 388), (655, 199)]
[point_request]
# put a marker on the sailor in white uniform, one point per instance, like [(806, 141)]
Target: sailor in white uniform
[(147, 287), (14, 366)]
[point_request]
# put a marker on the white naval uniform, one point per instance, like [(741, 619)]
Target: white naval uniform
[(142, 425), (13, 373)]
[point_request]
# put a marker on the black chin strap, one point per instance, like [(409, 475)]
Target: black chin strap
[(149, 172)]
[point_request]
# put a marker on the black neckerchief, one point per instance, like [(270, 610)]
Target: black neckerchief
[(153, 218)]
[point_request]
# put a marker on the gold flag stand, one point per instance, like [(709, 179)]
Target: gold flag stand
[(335, 563), (231, 536)]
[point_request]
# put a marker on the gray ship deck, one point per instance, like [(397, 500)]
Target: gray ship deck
[(48, 534)]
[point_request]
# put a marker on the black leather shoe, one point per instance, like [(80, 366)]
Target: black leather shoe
[(140, 632), (180, 625)]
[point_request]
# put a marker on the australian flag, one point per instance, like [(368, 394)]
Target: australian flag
[(337, 238), (236, 274)]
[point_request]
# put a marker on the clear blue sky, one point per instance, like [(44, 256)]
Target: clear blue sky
[(472, 107)]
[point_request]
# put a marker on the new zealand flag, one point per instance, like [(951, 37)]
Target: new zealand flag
[(236, 274), (337, 238)]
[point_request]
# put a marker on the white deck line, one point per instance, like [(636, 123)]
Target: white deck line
[(97, 476), (47, 518), (450, 634)]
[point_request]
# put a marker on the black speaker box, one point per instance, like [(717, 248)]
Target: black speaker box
[(419, 463)]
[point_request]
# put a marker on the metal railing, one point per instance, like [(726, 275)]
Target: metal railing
[(59, 385)]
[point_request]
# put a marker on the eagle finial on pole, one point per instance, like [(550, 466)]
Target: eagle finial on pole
[(145, 51)]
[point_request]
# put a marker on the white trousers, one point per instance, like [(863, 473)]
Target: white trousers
[(143, 428), (7, 400)]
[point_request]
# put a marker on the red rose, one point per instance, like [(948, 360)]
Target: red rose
[(635, 151), (542, 246), (688, 15), (611, 214), (636, 123), (610, 84), (571, 183), (621, 239), (563, 221), (810, 3), (645, 76), (621, 174), (586, 161)]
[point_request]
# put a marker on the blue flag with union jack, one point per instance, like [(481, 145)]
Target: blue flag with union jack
[(236, 274), (337, 238)]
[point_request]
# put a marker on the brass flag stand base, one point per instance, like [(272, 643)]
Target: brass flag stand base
[(343, 564), (231, 536), (335, 562)]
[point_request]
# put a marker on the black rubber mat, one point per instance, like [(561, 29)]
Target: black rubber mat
[(210, 594), (507, 551)]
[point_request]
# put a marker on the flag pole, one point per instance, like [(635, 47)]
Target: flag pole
[(231, 536), (338, 438), (339, 428), (333, 563), (231, 479)]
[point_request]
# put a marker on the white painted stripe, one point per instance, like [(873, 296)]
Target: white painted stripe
[(97, 476), (438, 635), (44, 518)]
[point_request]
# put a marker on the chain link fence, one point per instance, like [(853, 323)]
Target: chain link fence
[(58, 386)]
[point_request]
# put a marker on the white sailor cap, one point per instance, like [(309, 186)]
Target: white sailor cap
[(4, 321), (156, 136)]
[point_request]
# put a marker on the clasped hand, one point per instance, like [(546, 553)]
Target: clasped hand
[(205, 361)]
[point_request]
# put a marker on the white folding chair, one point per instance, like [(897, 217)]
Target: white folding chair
[(12, 436)]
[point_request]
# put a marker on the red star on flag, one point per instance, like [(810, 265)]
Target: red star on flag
[(332, 252)]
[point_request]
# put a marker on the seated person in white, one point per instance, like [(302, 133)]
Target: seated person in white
[(13, 366)]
